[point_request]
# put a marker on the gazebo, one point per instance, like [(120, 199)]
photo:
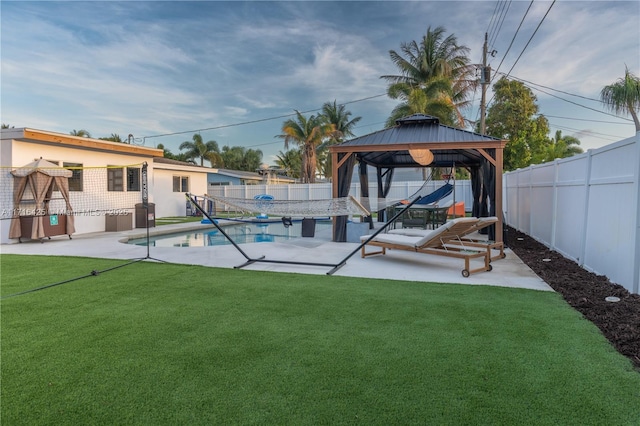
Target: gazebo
[(420, 140)]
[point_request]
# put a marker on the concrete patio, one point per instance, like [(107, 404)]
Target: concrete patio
[(395, 265)]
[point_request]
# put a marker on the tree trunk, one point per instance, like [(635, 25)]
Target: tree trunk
[(309, 163), (634, 115)]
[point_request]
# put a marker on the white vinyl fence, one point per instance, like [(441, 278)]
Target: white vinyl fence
[(585, 207), (321, 191)]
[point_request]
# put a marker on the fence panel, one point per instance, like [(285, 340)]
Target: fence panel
[(571, 205), (610, 238), (585, 207), (542, 201)]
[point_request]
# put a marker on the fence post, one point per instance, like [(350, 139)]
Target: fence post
[(554, 203), (585, 217), (635, 286)]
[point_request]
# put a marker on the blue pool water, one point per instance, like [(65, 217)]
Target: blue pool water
[(241, 234)]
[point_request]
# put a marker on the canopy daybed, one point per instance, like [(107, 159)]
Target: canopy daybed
[(33, 190)]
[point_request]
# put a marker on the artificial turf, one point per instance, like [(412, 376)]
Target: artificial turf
[(152, 343)]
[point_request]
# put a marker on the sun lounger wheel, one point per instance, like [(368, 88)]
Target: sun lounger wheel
[(465, 273)]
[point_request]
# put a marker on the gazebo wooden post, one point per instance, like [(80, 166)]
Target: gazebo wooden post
[(499, 211), (335, 174)]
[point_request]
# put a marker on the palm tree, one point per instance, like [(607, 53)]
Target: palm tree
[(82, 133), (113, 138), (623, 96), (436, 78), (168, 154), (6, 126), (335, 114), (204, 151), (308, 134), (562, 147), (339, 117), (290, 161)]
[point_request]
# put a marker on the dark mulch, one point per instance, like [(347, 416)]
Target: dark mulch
[(586, 292)]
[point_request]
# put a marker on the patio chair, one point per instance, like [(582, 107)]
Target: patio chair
[(442, 241), (465, 238)]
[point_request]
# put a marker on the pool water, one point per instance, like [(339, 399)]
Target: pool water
[(243, 233)]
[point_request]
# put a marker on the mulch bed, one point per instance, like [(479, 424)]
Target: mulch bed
[(586, 292)]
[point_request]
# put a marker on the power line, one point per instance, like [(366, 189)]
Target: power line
[(598, 135), (577, 104), (532, 35), (507, 52), (532, 85), (556, 90), (492, 16), (504, 15), (585, 119), (514, 37), (223, 126)]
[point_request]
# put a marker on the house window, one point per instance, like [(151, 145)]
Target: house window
[(115, 179), (133, 179), (75, 181), (181, 184)]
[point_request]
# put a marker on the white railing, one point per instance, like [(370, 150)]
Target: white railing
[(585, 207)]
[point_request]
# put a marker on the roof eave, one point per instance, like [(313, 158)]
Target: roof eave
[(40, 136), (419, 145)]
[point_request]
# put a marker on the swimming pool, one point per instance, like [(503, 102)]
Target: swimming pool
[(267, 232)]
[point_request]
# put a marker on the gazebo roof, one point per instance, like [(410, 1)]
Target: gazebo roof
[(42, 166), (390, 147)]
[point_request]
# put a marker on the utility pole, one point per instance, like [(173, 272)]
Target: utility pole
[(485, 77)]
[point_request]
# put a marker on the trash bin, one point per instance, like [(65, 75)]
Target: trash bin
[(308, 227), (144, 215)]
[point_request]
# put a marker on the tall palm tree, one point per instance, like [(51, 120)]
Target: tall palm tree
[(436, 78), (308, 134), (337, 115), (204, 151), (623, 96)]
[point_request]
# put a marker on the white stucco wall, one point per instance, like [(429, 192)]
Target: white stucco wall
[(169, 203), (88, 217)]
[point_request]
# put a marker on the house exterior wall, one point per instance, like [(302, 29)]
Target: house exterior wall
[(168, 202), (92, 203)]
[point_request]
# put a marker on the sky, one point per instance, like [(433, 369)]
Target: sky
[(235, 71)]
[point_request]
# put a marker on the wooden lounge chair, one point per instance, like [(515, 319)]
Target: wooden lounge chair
[(483, 222), (442, 241)]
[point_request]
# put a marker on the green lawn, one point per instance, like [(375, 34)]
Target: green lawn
[(159, 344)]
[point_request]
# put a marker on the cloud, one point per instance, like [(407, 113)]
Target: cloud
[(152, 68), (569, 53)]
